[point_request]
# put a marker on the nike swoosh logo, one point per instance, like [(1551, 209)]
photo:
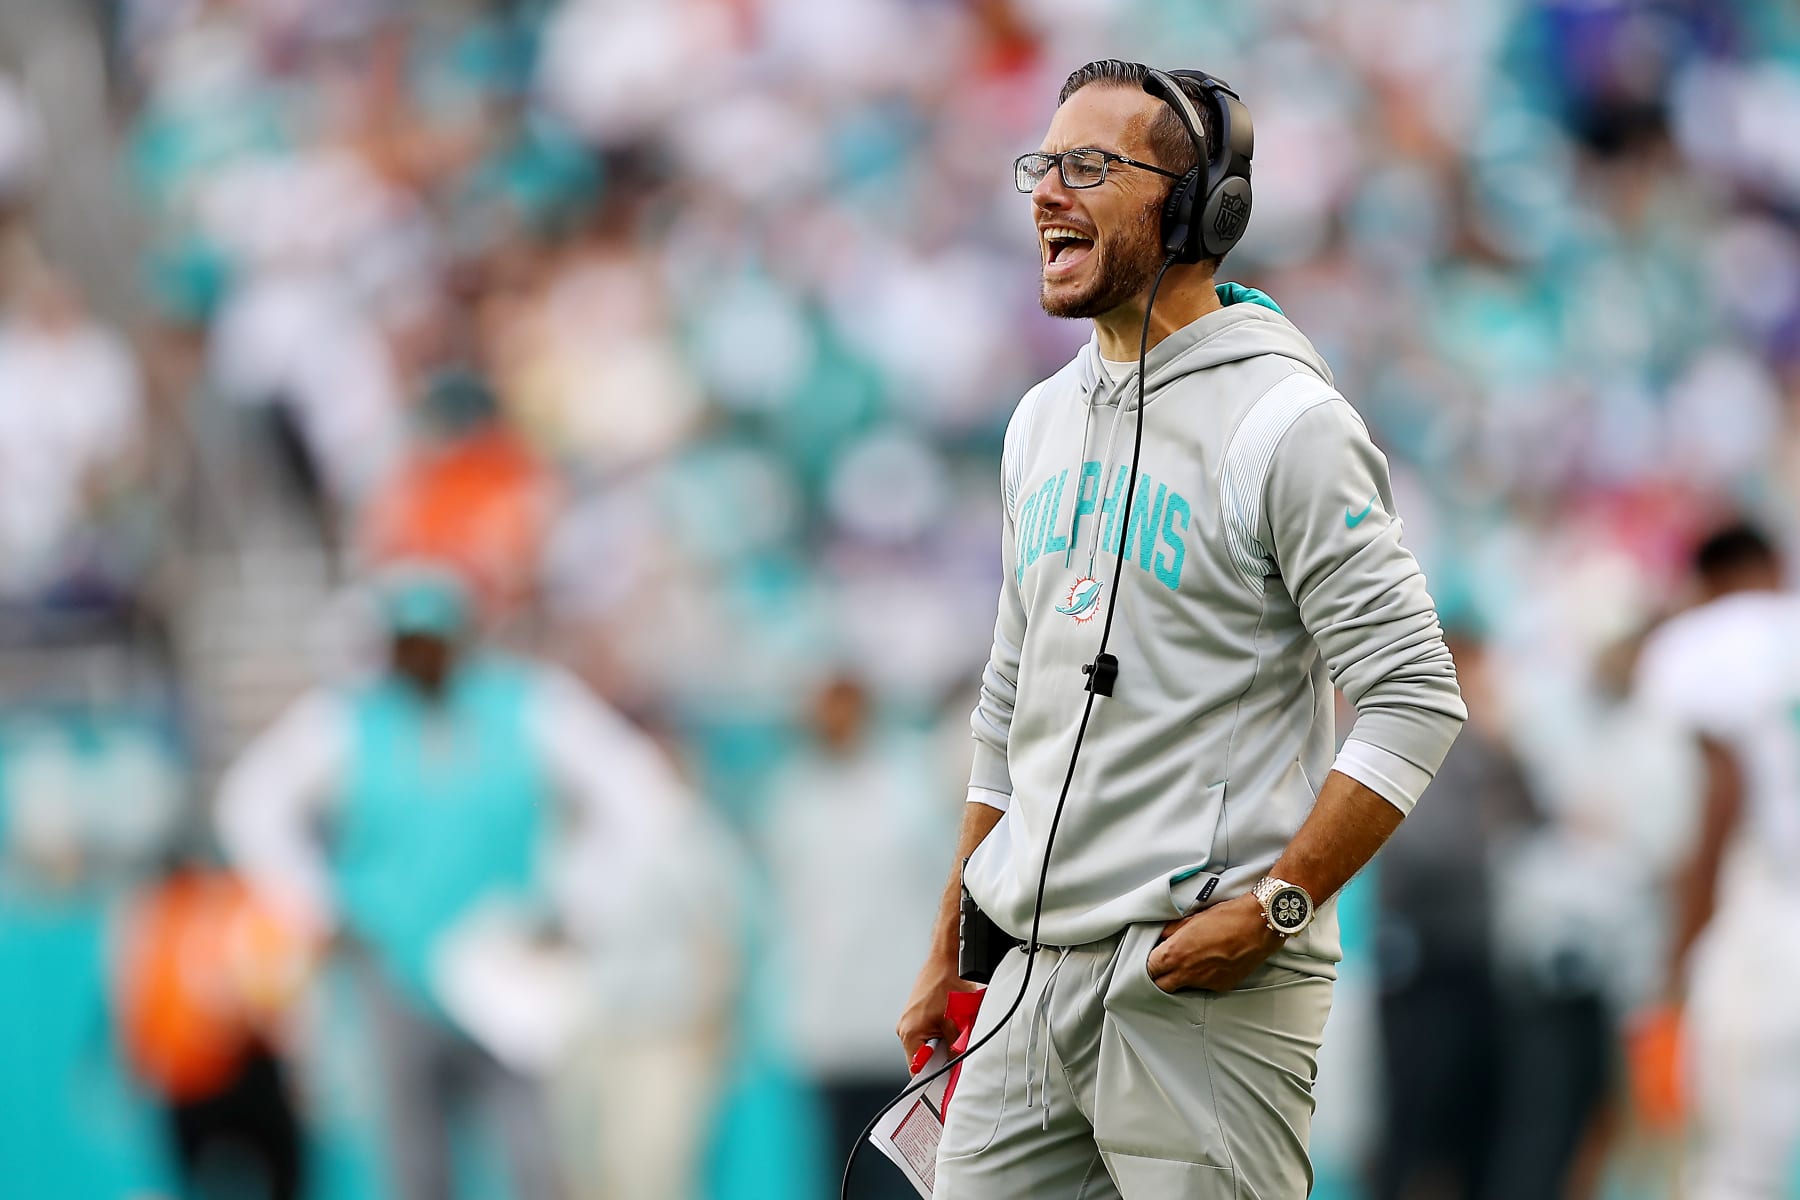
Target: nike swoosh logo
[(1352, 521)]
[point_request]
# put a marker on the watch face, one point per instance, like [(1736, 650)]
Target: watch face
[(1288, 909)]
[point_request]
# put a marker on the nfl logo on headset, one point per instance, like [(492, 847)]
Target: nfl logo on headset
[(1233, 212)]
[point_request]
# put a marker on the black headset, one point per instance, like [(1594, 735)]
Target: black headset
[(1210, 207)]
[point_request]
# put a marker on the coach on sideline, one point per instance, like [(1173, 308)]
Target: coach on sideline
[(1168, 1042)]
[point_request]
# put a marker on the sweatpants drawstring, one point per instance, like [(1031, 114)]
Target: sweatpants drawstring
[(1040, 1018)]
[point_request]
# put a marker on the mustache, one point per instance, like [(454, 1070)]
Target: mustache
[(1147, 219)]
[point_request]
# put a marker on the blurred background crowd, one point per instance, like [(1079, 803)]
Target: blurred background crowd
[(632, 373)]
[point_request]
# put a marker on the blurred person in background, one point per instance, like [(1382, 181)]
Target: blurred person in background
[(1614, 780), (92, 791), (854, 840), (647, 1061), (71, 430), (435, 787), (472, 493), (1729, 671), (1440, 1003), (1559, 973), (207, 970), (75, 1120)]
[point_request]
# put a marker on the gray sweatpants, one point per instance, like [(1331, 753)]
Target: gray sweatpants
[(430, 1070), (1105, 1086)]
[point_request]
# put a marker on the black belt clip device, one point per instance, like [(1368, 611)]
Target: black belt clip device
[(981, 944)]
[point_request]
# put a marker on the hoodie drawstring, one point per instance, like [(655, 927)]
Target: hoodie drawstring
[(1087, 425), (1106, 465), (1106, 468)]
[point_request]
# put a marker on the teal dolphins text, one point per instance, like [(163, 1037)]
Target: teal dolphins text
[(1060, 515)]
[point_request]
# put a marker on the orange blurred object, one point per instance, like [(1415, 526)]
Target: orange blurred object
[(206, 966), (481, 503), (1653, 1050)]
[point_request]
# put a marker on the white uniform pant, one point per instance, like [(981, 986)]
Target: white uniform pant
[(1743, 1041), (1105, 1086)]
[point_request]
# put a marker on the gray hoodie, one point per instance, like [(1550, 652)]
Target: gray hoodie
[(1263, 565)]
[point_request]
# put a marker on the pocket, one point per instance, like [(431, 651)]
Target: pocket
[(1189, 1006), (1192, 889), (1193, 886), (1154, 1107), (1143, 965), (980, 1098)]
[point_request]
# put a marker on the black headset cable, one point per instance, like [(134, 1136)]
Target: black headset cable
[(1092, 670)]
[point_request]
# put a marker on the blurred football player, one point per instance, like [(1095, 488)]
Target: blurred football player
[(1729, 671), (436, 782)]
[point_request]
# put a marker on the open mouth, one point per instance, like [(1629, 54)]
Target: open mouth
[(1065, 248)]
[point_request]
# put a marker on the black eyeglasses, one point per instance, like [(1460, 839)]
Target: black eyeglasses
[(1079, 168)]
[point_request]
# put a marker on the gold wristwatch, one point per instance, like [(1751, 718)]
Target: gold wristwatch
[(1286, 907)]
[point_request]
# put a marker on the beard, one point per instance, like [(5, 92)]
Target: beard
[(1124, 265)]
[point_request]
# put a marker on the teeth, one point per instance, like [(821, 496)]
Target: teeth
[(1062, 233)]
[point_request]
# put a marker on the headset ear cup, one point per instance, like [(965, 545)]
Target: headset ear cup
[(1226, 217), (1178, 218)]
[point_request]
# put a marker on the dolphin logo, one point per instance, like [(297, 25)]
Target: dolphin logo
[(1083, 599)]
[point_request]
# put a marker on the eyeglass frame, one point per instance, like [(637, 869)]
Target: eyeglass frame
[(1107, 159)]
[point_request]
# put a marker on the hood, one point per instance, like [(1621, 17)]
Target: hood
[(1248, 325)]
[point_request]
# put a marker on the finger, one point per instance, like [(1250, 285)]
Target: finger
[(922, 1052), (1170, 929), (1161, 974)]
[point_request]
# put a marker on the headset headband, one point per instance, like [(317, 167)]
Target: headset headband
[(1164, 87), (1237, 137), (1209, 209)]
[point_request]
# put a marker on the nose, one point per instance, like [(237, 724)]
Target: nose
[(1050, 191)]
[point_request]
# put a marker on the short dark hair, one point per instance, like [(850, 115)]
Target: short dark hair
[(1733, 548), (1169, 138)]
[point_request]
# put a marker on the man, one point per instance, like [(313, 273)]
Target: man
[(1167, 1045), (435, 783), (1729, 672), (1440, 1005), (854, 841)]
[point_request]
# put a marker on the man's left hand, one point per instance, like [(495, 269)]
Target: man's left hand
[(1215, 948)]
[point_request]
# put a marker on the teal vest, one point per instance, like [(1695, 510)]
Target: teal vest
[(74, 1124), (443, 807)]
